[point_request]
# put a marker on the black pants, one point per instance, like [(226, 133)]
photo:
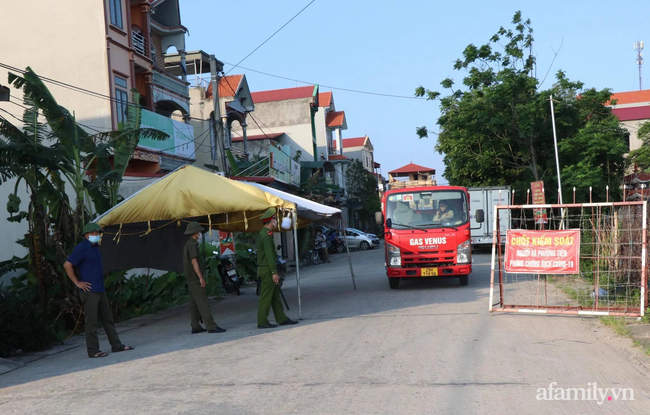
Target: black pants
[(97, 309)]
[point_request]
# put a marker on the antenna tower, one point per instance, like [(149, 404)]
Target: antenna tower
[(638, 46)]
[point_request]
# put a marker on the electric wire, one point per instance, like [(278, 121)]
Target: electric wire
[(274, 33), (332, 87)]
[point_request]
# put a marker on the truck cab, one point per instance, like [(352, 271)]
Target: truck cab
[(427, 233)]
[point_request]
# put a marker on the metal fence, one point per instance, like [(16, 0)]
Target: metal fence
[(611, 277)]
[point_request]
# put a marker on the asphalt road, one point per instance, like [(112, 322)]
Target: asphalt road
[(429, 347)]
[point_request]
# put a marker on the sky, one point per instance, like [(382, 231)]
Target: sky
[(392, 47)]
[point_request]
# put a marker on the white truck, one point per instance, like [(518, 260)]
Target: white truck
[(486, 198)]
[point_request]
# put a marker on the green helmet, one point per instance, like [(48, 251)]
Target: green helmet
[(192, 228), (92, 227)]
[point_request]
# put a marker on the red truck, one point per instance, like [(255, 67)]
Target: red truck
[(427, 232)]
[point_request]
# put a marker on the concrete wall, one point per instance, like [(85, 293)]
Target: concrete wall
[(291, 117), (63, 40), (362, 154), (633, 128), (321, 131), (339, 175), (299, 138)]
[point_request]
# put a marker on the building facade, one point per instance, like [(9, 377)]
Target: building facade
[(292, 111), (359, 148), (105, 50), (632, 109)]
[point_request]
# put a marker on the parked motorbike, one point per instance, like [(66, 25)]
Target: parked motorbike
[(338, 249), (228, 273)]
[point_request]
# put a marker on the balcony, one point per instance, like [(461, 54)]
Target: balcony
[(171, 89), (139, 43), (171, 84)]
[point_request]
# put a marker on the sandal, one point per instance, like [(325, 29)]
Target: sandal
[(98, 354), (123, 348)]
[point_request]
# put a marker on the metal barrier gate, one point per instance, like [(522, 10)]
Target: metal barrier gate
[(609, 277)]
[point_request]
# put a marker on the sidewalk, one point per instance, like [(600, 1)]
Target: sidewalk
[(19, 361), (16, 362)]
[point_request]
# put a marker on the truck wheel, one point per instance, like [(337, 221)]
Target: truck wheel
[(394, 283), (464, 279)]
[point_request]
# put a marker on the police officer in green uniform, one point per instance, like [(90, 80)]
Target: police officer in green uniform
[(199, 306), (268, 274)]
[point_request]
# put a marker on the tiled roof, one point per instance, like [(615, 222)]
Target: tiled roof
[(354, 142), (324, 99), (377, 165), (283, 94), (631, 97), (632, 113), (273, 136), (227, 86), (338, 157), (413, 168), (335, 119)]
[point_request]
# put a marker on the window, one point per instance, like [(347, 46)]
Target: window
[(428, 209), (116, 13), (121, 100)]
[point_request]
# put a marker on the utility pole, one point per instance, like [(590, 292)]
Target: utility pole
[(557, 159), (217, 149)]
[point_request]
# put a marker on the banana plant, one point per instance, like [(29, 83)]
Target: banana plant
[(46, 156)]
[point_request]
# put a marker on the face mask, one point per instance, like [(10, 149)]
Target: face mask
[(94, 239)]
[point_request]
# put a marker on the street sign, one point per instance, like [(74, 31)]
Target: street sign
[(539, 199)]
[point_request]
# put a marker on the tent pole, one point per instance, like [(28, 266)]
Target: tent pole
[(297, 257), (202, 251), (347, 248)]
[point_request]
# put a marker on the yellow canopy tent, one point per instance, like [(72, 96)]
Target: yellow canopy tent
[(190, 193), (146, 230)]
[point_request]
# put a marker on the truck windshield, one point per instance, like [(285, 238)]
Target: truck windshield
[(427, 209)]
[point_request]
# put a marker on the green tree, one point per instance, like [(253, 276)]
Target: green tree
[(497, 128), (641, 156), (46, 157), (362, 187)]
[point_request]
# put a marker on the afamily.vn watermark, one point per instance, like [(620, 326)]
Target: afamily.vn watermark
[(591, 393)]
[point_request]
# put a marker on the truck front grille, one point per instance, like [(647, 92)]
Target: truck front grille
[(433, 258)]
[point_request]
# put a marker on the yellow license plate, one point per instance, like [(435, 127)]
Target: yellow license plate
[(429, 272)]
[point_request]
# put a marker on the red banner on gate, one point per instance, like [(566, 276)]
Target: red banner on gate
[(543, 252)]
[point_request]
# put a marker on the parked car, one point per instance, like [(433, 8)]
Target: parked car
[(358, 239), (373, 238)]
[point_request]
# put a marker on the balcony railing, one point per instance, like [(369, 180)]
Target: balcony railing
[(258, 169), (139, 43), (171, 84)]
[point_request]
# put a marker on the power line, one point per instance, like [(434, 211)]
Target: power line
[(96, 95), (225, 78), (83, 90), (205, 133), (331, 87), (83, 125), (269, 38)]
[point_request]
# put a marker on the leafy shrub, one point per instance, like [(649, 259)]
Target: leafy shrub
[(145, 294), (23, 323), (246, 262)]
